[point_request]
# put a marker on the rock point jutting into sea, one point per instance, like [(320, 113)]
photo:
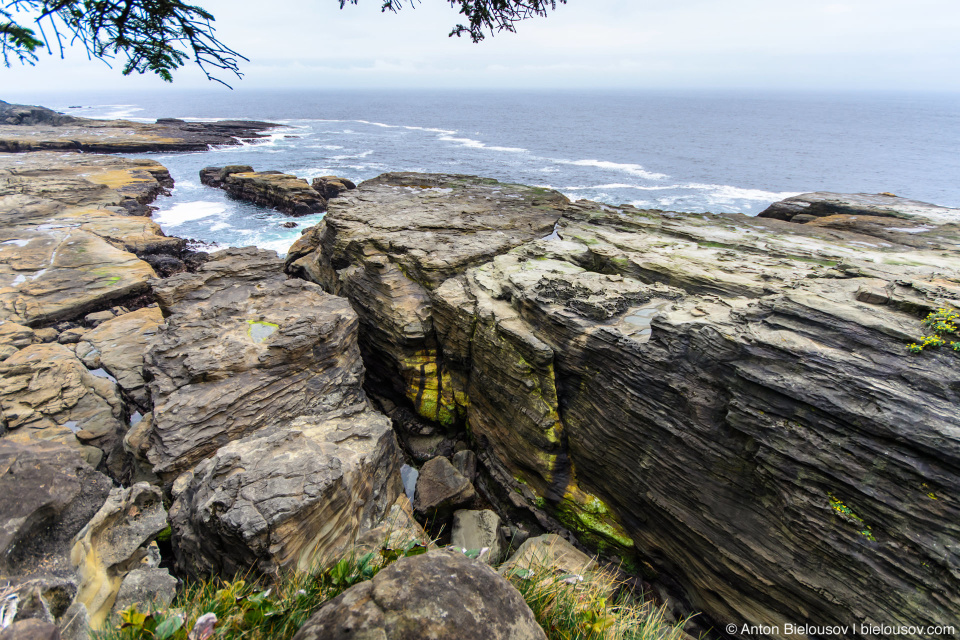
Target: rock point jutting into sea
[(457, 399)]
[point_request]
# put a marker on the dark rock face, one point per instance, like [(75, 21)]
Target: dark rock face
[(726, 398), (27, 115), (47, 495), (440, 487), (244, 348), (283, 192), (439, 595)]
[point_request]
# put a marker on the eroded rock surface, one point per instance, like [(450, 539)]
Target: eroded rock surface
[(287, 496), (73, 228), (244, 348), (439, 595), (728, 399), (46, 393)]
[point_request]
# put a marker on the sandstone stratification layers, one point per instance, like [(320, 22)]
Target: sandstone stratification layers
[(728, 399)]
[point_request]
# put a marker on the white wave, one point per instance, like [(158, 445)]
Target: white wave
[(476, 144), (378, 124), (327, 147), (633, 169), (431, 130), (188, 211), (220, 226), (725, 193), (618, 185), (919, 229), (352, 156)]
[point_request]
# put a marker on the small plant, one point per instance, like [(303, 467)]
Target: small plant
[(942, 322), (244, 609)]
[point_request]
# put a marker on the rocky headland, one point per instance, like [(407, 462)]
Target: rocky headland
[(722, 406)]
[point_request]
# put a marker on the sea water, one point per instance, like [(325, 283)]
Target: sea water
[(683, 151)]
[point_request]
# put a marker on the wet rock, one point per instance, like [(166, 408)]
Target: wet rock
[(114, 543), (46, 393), (214, 176), (47, 495), (439, 595), (118, 345), (440, 487), (287, 496), (477, 530), (98, 318), (243, 349), (71, 336)]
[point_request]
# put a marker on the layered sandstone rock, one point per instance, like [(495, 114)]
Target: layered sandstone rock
[(280, 191), (288, 496), (244, 348), (69, 244), (727, 399)]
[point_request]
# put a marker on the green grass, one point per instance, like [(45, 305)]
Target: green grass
[(589, 607)]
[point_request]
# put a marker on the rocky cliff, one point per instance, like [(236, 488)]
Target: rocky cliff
[(722, 401)]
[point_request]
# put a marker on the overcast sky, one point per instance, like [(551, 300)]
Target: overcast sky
[(629, 44)]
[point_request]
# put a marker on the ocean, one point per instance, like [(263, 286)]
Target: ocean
[(684, 151)]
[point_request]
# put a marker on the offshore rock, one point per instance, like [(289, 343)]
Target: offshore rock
[(286, 193), (114, 543), (31, 128), (46, 393), (728, 399), (287, 496), (244, 348), (440, 595)]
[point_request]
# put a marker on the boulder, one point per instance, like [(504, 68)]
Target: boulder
[(146, 588), (438, 595), (244, 348), (331, 186), (114, 543), (46, 393), (398, 530), (440, 487), (477, 530), (549, 552), (287, 496), (118, 345), (47, 495)]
